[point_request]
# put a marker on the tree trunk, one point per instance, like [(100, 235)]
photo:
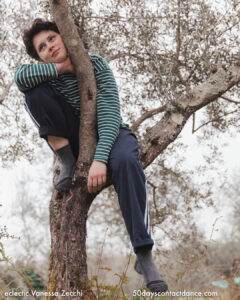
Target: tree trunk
[(68, 259), (68, 214)]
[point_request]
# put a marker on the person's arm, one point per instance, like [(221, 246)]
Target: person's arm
[(28, 76), (108, 110), (108, 119)]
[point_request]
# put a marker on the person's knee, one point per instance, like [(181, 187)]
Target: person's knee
[(39, 93), (123, 159)]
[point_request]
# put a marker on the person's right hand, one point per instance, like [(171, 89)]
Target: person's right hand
[(65, 67)]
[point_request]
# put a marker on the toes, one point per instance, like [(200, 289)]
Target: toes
[(157, 286), (64, 185)]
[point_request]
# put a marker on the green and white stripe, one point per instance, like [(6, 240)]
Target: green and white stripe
[(108, 107), (28, 76)]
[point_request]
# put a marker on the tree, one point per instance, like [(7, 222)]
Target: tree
[(68, 215), (179, 76)]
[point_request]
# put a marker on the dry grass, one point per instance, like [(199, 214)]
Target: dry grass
[(191, 270)]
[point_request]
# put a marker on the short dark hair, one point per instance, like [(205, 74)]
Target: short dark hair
[(38, 25)]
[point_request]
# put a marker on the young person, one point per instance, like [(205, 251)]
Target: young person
[(52, 99)]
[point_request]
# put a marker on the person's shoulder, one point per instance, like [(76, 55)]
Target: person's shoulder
[(95, 57), (19, 72), (99, 63), (20, 67)]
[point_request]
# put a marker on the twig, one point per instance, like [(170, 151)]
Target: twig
[(118, 17), (214, 120), (230, 100), (154, 195), (229, 28), (178, 37), (178, 48), (119, 55), (193, 123), (121, 278), (101, 252), (213, 226)]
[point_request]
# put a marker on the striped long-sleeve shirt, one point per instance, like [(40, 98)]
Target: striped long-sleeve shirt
[(109, 118)]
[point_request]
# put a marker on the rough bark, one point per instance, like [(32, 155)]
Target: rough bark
[(68, 214), (168, 128)]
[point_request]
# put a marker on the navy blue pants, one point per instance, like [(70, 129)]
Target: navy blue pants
[(53, 115)]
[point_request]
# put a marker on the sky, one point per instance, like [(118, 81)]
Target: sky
[(231, 163)]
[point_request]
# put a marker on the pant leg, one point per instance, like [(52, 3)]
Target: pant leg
[(130, 184), (52, 114)]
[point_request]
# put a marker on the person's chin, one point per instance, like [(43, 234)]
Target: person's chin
[(60, 59)]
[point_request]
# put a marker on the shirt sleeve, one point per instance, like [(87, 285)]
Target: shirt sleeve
[(108, 109), (28, 76)]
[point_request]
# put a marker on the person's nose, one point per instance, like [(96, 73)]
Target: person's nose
[(50, 47)]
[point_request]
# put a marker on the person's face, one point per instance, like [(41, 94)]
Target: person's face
[(50, 47)]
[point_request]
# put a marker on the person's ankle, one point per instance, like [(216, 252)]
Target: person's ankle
[(144, 265)]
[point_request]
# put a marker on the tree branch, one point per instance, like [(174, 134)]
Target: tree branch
[(227, 29), (178, 48), (168, 128), (178, 36), (124, 54), (147, 115), (124, 19)]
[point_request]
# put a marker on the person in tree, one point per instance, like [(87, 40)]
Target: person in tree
[(53, 101)]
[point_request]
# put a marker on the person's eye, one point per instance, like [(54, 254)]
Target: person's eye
[(41, 47), (51, 37)]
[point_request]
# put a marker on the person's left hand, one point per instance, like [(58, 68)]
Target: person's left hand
[(97, 176)]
